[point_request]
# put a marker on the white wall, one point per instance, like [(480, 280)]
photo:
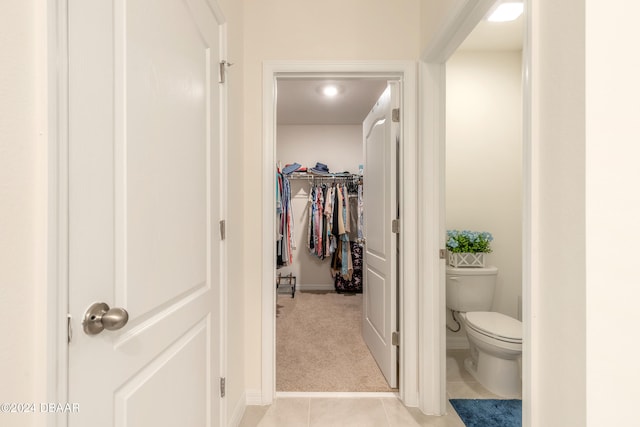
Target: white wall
[(337, 146), (434, 15), (340, 148), (299, 30), (22, 210), (484, 161), (558, 346), (612, 211)]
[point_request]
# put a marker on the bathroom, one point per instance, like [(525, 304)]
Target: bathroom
[(484, 171)]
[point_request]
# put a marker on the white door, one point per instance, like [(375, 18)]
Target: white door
[(144, 206), (379, 317)]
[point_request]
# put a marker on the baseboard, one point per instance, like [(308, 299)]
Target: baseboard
[(307, 287), (311, 287), (457, 343), (253, 397), (238, 411), (336, 394)]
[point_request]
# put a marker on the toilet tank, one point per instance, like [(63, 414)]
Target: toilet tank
[(470, 289)]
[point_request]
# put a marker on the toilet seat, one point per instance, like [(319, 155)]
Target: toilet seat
[(495, 325)]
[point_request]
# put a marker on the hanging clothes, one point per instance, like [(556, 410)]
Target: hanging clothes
[(360, 214), (347, 260), (342, 259), (316, 233), (334, 228), (332, 218), (285, 239), (354, 284)]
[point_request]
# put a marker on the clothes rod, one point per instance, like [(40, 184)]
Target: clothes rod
[(330, 177)]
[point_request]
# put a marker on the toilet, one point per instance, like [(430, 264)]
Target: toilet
[(495, 339)]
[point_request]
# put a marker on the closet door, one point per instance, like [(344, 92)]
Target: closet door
[(144, 203), (379, 317)]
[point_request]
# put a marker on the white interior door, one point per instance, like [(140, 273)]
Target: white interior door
[(144, 206), (379, 317)]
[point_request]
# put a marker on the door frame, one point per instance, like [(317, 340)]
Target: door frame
[(55, 296), (54, 122), (406, 72), (432, 69)]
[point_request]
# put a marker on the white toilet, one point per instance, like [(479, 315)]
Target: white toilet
[(495, 340)]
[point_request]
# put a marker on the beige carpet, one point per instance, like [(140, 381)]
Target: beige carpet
[(320, 346)]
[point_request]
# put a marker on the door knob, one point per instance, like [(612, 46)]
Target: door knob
[(100, 317)]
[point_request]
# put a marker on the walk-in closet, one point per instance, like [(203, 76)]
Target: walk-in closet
[(320, 193)]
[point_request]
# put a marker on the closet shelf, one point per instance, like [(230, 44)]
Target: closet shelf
[(329, 177)]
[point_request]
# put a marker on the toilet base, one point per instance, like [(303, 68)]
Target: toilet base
[(499, 376)]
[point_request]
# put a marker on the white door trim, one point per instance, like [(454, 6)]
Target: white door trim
[(55, 118), (223, 214), (56, 293), (454, 30), (402, 70)]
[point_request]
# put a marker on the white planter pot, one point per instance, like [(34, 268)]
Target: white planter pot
[(466, 259)]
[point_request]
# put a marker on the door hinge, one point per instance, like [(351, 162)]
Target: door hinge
[(443, 254), (395, 226), (223, 229), (395, 115), (69, 329), (223, 70), (395, 338), (223, 386)]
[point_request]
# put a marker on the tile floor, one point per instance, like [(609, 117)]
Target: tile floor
[(367, 412), (460, 383), (342, 412)]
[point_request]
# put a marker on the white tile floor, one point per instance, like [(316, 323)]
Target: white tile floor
[(342, 412), (369, 411), (460, 383)]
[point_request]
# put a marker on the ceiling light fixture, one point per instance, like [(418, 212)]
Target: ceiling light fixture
[(330, 91), (506, 12)]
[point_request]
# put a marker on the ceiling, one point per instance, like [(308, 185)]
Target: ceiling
[(495, 36), (300, 101)]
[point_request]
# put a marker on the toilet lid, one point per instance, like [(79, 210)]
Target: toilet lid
[(496, 324)]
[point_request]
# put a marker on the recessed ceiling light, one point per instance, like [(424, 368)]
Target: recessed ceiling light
[(506, 12), (330, 91)]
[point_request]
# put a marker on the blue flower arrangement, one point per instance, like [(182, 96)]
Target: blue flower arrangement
[(469, 241)]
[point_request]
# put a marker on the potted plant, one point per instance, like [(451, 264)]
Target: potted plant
[(467, 248)]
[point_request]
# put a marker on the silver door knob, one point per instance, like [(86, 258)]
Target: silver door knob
[(100, 317)]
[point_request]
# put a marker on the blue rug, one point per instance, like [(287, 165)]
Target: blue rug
[(489, 412)]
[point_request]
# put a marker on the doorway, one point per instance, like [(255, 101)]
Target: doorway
[(433, 105), (404, 72), (484, 139), (320, 339)]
